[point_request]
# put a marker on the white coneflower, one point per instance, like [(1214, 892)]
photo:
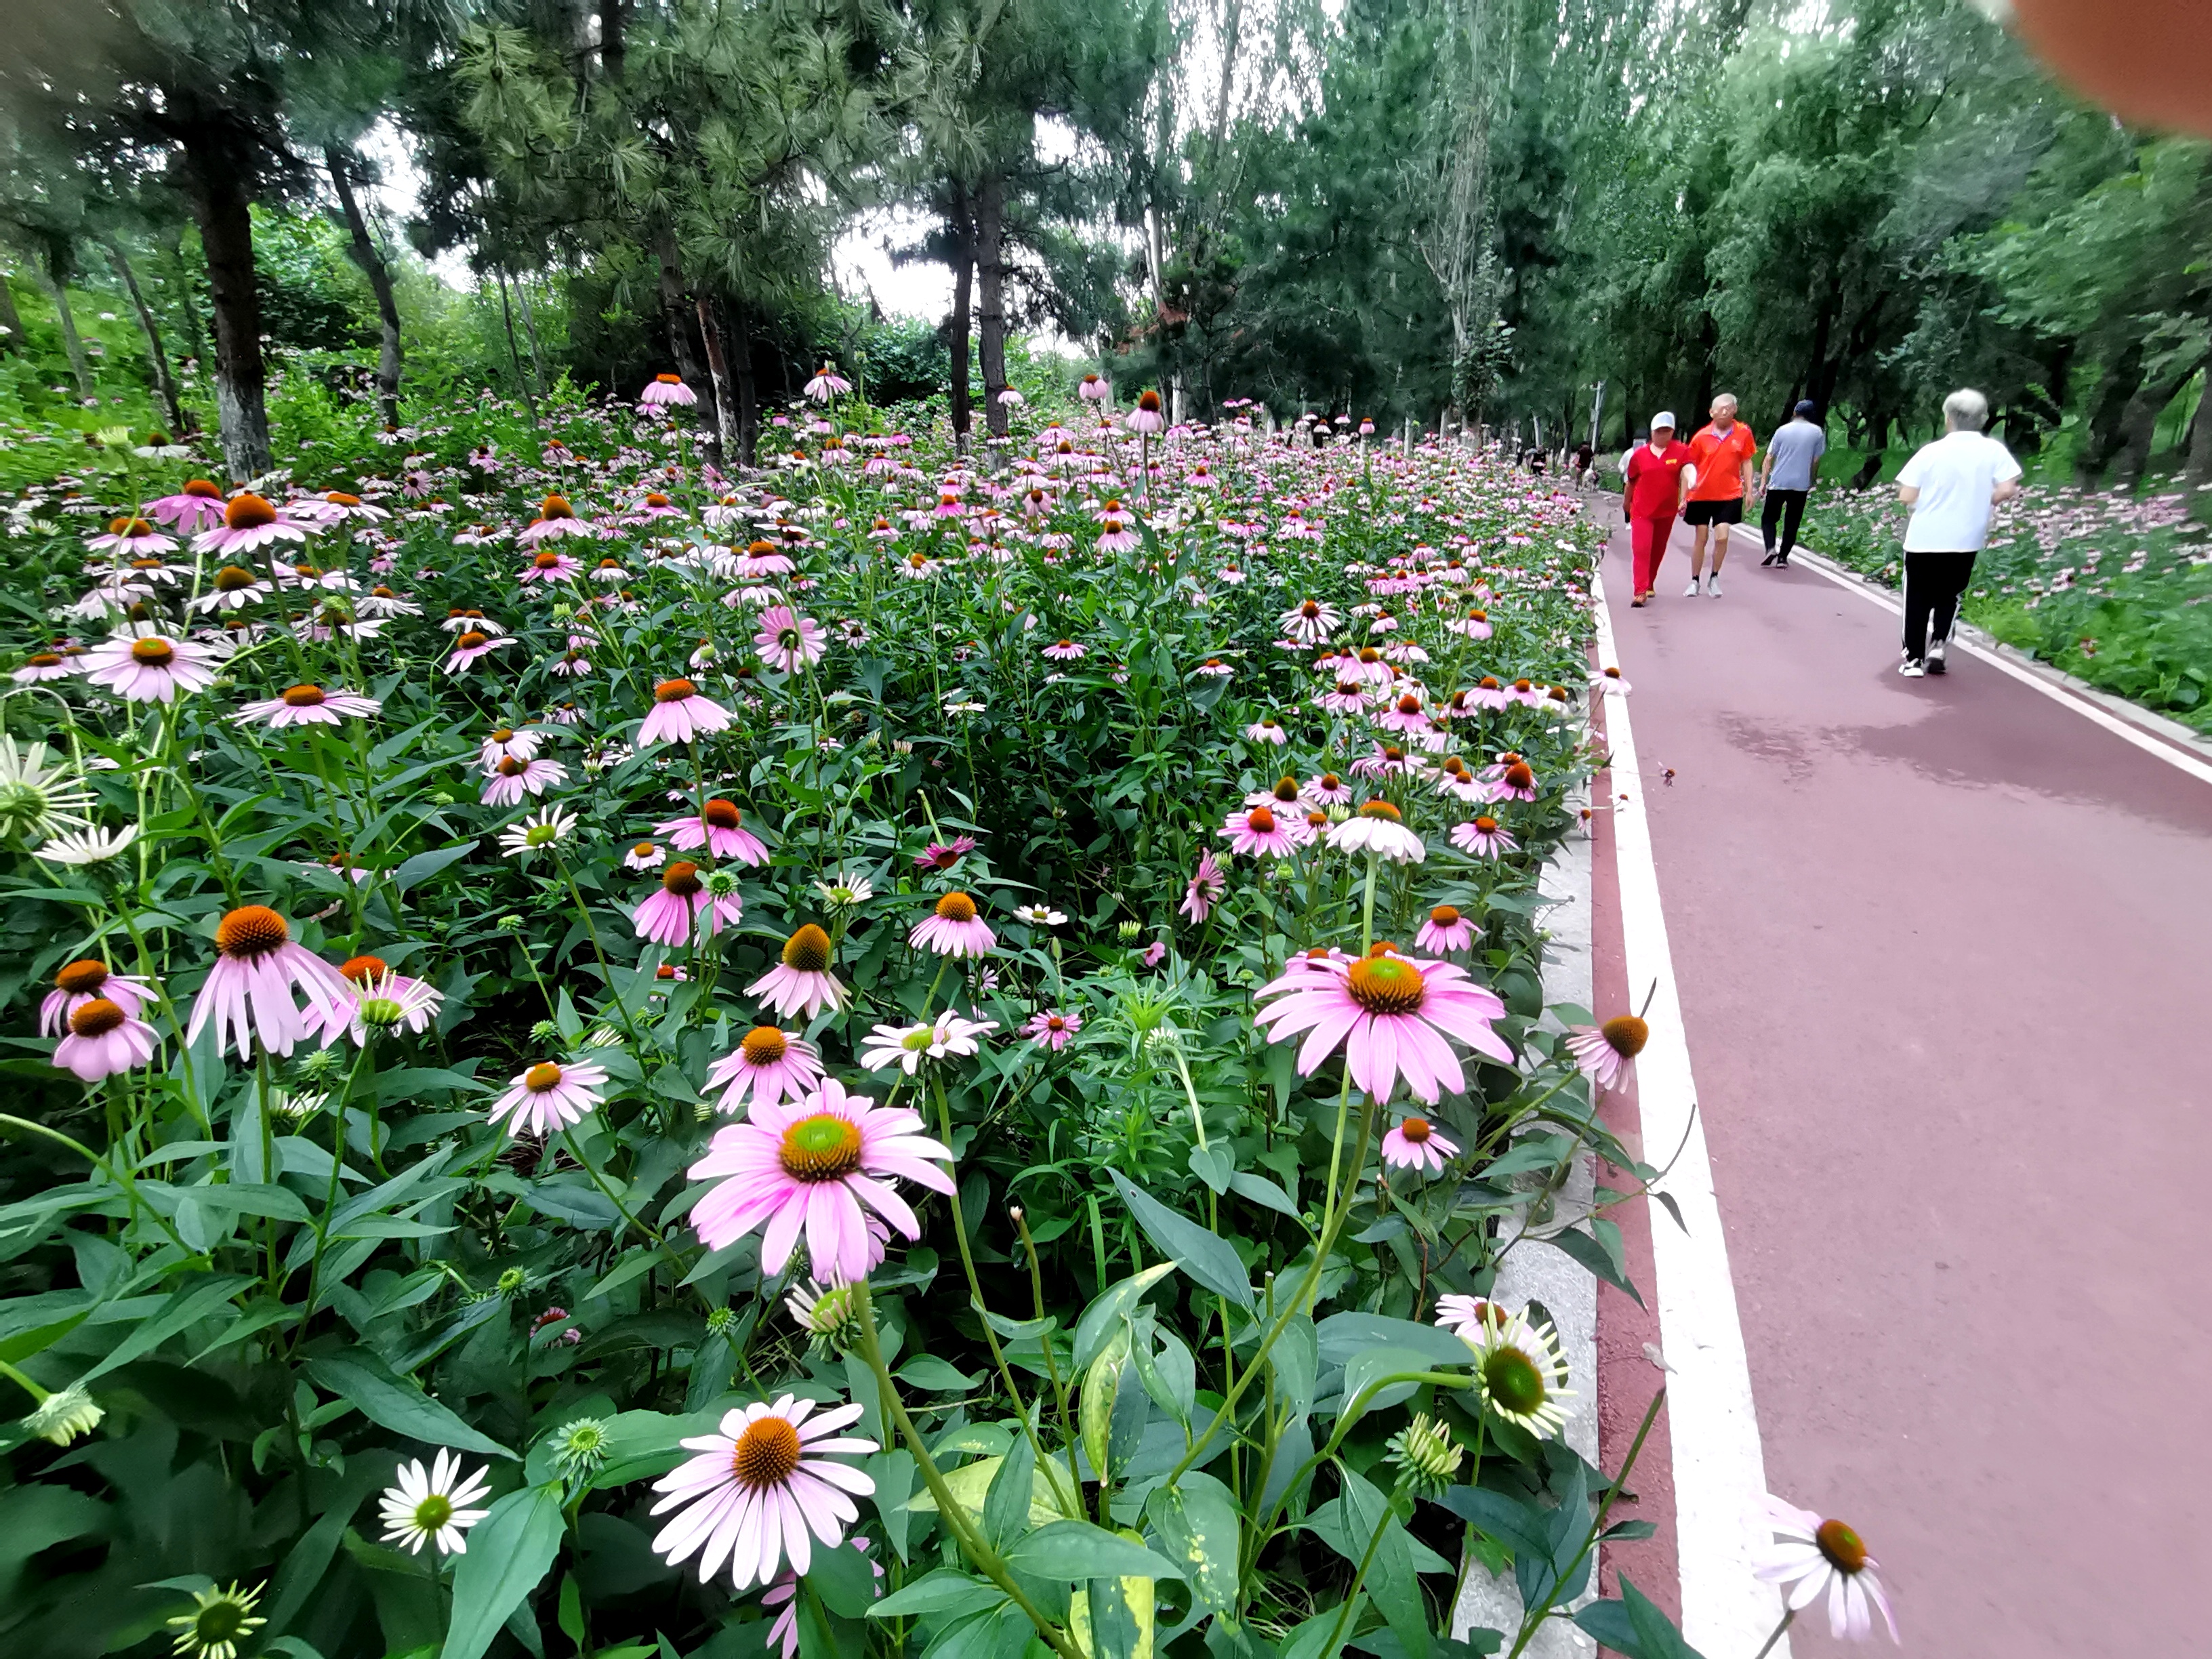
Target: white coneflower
[(826, 1314), (219, 1621), (580, 1448), (1378, 827), (1039, 915), (37, 800), (1426, 1456), (65, 1415), (87, 847), (542, 830), (845, 890), (1521, 1371), (434, 1507)]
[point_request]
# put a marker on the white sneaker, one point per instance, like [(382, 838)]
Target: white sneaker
[(1713, 586), (1693, 590), (1910, 670)]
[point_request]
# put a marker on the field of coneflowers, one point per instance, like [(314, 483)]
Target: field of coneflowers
[(903, 1053), (2113, 589)]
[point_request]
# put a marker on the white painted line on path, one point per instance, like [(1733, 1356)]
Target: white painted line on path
[(1720, 1471), (1822, 565)]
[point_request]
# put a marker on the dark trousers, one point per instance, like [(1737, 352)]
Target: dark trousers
[(1933, 585), (1787, 507)]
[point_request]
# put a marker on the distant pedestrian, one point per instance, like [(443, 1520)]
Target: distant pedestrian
[(1787, 477), (1721, 452), (1585, 453), (1951, 485), (1651, 494)]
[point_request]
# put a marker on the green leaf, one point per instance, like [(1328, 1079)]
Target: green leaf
[(510, 1552), (1073, 1550), (1197, 1523), (845, 1579), (360, 1378), (927, 1372), (1268, 1194), (1296, 1358), (184, 1308), (944, 1591), (1202, 1255), (1372, 1367), (1593, 1254), (1390, 1577), (1343, 1337), (1634, 1628), (1006, 1504), (1214, 1166), (423, 865), (1113, 1618), (1102, 1318)]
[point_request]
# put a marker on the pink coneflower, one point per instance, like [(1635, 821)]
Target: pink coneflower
[(719, 828), (1256, 832), (249, 522), (1445, 931), (1365, 665), (801, 980), (547, 1099), (1386, 760), (664, 391), (505, 743), (1414, 1144), (376, 998), (1267, 730), (554, 518), (104, 1038), (59, 664), (249, 991), (787, 640), (1511, 779), (827, 383), (1454, 779), (1065, 651), (816, 1162), (511, 780), (1114, 534), (1470, 1317), (763, 1490), (1204, 889), (1147, 417), (1155, 953), (1329, 790), (133, 538), (1405, 716), (86, 981), (1349, 698), (1093, 390), (306, 705), (783, 1633), (1607, 681), (195, 506), (1051, 1029), (472, 644), (1214, 669), (549, 565), (767, 1066), (1483, 837), (142, 664), (680, 714), (656, 506), (1474, 625), (1815, 1556), (1607, 1053), (671, 913), (954, 929), (1391, 1014), (645, 855), (940, 856)]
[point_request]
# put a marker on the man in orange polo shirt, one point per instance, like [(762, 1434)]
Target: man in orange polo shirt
[(1722, 453)]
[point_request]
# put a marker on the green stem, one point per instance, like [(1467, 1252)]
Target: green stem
[(120, 1177)]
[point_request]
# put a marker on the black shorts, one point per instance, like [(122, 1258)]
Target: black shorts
[(1727, 512)]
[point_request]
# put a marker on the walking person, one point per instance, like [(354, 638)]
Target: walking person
[(1651, 494), (1951, 485), (1721, 452), (1786, 478)]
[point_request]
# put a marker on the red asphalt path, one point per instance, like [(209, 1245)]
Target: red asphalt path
[(1943, 948)]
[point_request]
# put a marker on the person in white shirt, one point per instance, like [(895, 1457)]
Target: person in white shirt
[(1951, 485)]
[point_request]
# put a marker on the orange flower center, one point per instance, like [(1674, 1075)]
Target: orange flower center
[(1409, 704), (1416, 1129), (512, 768), (681, 879), (44, 658), (250, 931), (957, 907), (248, 511), (1380, 809), (807, 950), (339, 498), (767, 1453), (824, 1148), (362, 969), (674, 690), (1368, 653), (541, 1077), (154, 653), (306, 697), (470, 639), (1488, 683), (81, 978), (1310, 610), (764, 1045), (96, 1019), (132, 527), (1520, 776), (1845, 1552), (1287, 790), (1444, 915), (204, 490), (643, 850), (1330, 781), (1386, 985), (1626, 1034), (547, 560), (721, 814), (655, 498), (670, 379), (231, 579), (1259, 820), (555, 506), (1485, 826)]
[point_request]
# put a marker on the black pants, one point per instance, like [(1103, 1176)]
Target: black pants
[(1787, 506), (1933, 585)]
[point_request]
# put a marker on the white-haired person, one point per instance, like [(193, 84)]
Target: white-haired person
[(1720, 462), (1952, 485)]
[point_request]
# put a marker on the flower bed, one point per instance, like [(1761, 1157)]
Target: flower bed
[(670, 1027), (2115, 590)]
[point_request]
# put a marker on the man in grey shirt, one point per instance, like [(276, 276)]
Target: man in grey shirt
[(1793, 462)]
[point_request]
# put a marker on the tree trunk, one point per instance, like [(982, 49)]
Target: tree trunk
[(991, 312), (187, 303), (157, 355), (10, 319), (2199, 471), (964, 271), (514, 351), (365, 255), (726, 424), (675, 309), (57, 285), (614, 43), (2138, 429), (2108, 406), (530, 333), (216, 185)]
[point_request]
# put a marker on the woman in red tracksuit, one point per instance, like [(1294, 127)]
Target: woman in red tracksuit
[(1651, 497)]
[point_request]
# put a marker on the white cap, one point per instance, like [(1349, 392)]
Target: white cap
[(1665, 417)]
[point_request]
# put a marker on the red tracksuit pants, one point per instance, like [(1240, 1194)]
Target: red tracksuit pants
[(1648, 538)]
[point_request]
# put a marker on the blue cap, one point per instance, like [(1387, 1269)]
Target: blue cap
[(1805, 408)]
